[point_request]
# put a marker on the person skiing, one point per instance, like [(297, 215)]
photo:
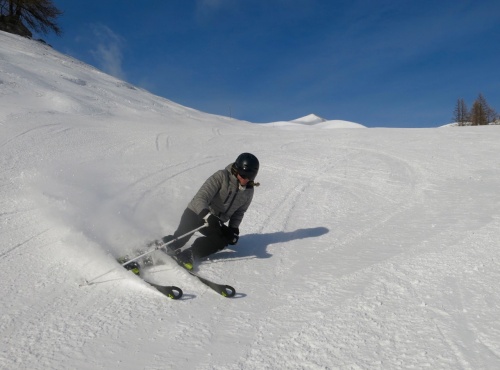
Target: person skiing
[(224, 197)]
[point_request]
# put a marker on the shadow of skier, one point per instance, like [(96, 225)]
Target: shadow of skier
[(255, 245)]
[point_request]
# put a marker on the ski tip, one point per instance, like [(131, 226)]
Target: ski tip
[(228, 291), (171, 291), (174, 292)]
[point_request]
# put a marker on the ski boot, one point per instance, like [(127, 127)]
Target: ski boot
[(134, 267), (185, 259)]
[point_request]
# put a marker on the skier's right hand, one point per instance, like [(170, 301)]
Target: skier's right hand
[(209, 218)]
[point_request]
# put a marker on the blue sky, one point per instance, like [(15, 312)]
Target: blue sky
[(378, 63)]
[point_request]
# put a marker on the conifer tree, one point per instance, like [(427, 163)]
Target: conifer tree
[(461, 114), (21, 16), (481, 113)]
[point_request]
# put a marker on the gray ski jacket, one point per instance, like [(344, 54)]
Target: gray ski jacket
[(224, 197)]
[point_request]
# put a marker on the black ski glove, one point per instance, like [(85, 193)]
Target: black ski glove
[(231, 234), (212, 220)]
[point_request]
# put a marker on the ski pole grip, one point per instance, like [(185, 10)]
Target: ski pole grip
[(205, 219)]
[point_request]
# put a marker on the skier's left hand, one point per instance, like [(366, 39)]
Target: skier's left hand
[(232, 234)]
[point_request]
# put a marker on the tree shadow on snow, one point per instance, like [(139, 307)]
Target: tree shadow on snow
[(255, 245)]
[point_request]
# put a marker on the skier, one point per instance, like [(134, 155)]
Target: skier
[(224, 197)]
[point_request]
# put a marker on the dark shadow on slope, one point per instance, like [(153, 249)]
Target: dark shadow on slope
[(255, 245)]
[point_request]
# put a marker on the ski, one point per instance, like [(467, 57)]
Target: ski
[(224, 290), (171, 291)]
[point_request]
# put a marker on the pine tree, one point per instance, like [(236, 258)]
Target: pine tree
[(461, 114), (477, 115), (21, 16), (481, 113)]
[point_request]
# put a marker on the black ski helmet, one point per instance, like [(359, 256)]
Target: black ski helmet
[(247, 166)]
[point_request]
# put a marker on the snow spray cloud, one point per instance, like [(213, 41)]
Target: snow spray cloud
[(108, 51)]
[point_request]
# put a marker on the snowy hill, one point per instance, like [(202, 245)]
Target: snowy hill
[(319, 122), (363, 249), (315, 121), (310, 119)]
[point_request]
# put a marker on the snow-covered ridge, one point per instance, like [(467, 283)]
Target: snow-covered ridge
[(54, 82)]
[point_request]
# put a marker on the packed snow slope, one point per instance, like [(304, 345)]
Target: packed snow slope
[(363, 248)]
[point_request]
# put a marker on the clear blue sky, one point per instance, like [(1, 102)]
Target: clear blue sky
[(393, 63)]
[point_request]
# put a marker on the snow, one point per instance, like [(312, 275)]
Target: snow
[(313, 120), (310, 119), (363, 249)]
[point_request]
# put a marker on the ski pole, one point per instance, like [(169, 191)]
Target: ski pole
[(90, 282)]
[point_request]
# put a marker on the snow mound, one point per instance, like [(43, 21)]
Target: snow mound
[(310, 119), (316, 121), (339, 124)]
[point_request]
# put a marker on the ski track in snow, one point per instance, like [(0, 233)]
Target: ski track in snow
[(363, 249)]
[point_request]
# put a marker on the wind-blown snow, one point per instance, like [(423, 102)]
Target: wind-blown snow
[(363, 249)]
